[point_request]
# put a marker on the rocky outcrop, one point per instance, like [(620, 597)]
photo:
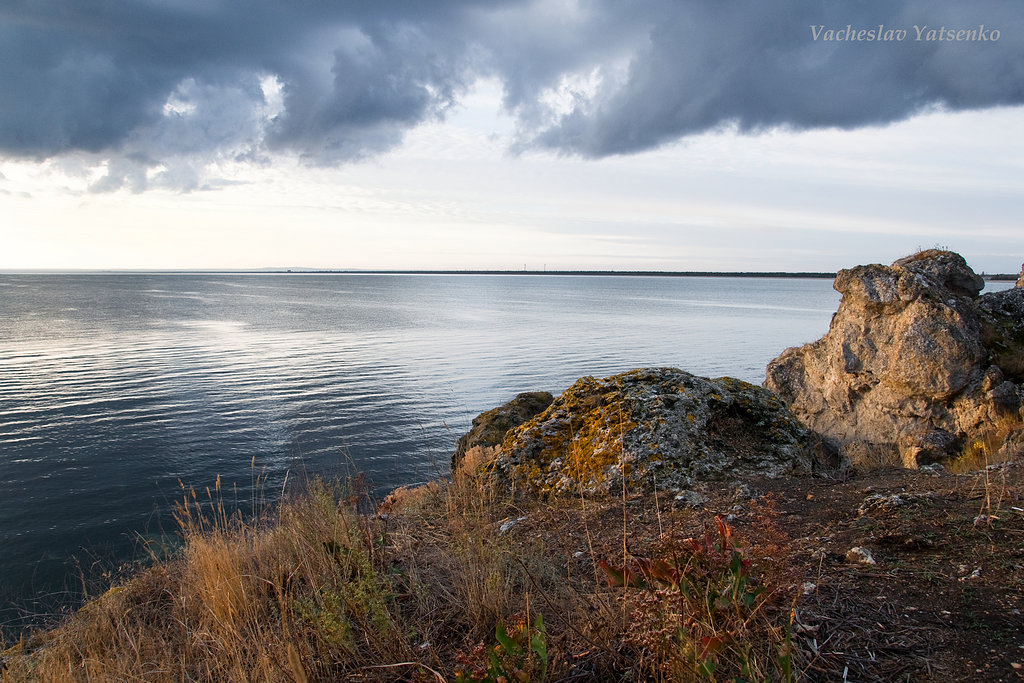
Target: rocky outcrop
[(654, 427), (915, 363), (489, 428), (1020, 279)]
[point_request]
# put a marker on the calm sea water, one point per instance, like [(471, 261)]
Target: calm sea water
[(115, 387)]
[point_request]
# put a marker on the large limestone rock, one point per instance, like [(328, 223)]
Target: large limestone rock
[(915, 363), (656, 427), (489, 428)]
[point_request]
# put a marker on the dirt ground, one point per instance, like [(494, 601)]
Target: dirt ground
[(935, 593), (942, 600)]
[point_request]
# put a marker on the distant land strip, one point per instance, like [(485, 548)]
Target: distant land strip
[(626, 273), (621, 273), (1008, 277)]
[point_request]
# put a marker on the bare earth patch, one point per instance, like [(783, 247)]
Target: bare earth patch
[(942, 600)]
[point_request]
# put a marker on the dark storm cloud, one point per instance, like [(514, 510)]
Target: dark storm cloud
[(98, 76), (157, 82), (759, 65)]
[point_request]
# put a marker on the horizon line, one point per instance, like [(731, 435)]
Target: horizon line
[(295, 270)]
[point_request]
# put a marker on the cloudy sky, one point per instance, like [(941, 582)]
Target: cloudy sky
[(656, 134)]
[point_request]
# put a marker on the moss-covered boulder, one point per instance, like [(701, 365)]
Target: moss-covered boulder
[(655, 427), (489, 428), (1002, 332)]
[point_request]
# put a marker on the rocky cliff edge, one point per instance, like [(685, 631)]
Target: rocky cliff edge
[(915, 366)]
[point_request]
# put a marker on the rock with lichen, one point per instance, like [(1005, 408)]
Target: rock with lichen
[(655, 427), (915, 363), (489, 428), (1003, 331)]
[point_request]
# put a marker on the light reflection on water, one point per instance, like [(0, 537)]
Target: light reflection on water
[(114, 387)]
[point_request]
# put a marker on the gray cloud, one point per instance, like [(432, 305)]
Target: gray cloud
[(176, 77), (160, 86), (756, 65)]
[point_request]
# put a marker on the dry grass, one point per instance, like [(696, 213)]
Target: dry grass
[(319, 591), (292, 600)]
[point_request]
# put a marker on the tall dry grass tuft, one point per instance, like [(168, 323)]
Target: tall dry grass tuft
[(483, 567), (294, 598)]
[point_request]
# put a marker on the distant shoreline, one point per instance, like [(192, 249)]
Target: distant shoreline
[(609, 273), (994, 277), (623, 273)]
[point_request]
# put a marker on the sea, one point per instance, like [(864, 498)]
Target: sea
[(117, 390)]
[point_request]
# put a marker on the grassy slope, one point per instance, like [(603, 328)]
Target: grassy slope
[(416, 593)]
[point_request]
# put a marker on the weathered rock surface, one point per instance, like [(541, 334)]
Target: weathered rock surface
[(656, 427), (915, 363), (489, 428)]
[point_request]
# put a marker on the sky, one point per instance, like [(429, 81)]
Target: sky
[(509, 134)]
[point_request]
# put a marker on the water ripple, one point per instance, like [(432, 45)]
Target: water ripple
[(114, 387)]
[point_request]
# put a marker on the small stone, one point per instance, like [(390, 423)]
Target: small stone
[(742, 492), (976, 574), (859, 555), (508, 524), (886, 503), (690, 499), (807, 588)]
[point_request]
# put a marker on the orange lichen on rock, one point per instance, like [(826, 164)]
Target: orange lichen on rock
[(651, 427)]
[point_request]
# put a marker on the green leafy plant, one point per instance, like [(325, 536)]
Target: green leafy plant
[(711, 570), (521, 655), (698, 606)]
